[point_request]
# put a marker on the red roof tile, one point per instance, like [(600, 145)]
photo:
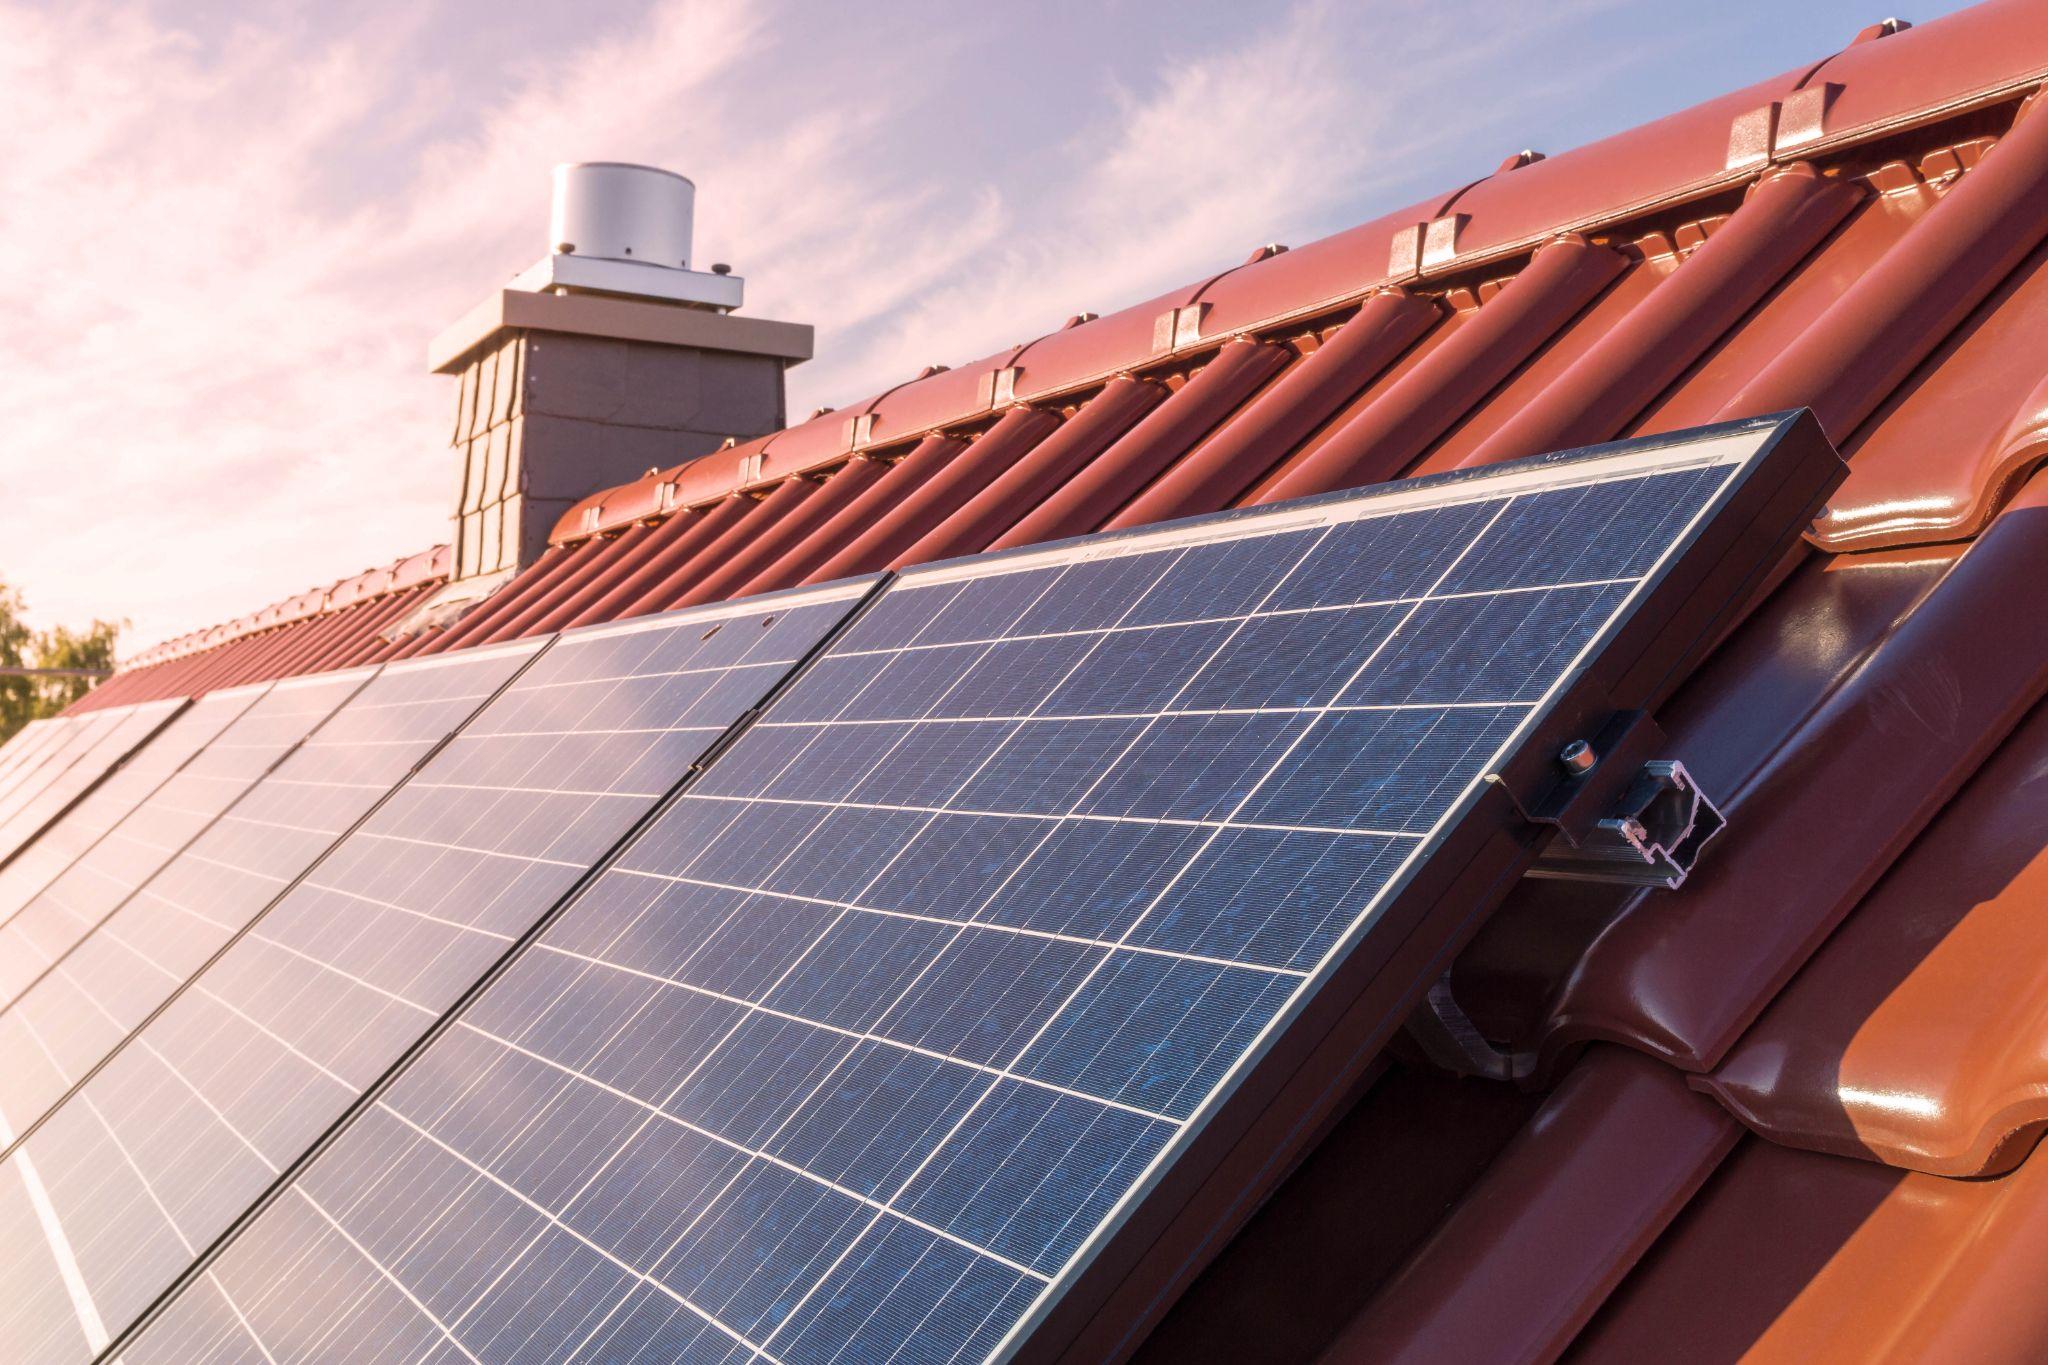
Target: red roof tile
[(1790, 1257), (324, 628), (1919, 1034), (1610, 1159)]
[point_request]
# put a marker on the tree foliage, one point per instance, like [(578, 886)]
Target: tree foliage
[(23, 699)]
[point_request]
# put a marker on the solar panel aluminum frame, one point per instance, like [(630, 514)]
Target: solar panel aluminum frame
[(1319, 1054)]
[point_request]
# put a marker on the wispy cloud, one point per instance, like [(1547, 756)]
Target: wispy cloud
[(235, 241)]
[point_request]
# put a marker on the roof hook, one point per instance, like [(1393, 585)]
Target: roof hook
[(1450, 1040)]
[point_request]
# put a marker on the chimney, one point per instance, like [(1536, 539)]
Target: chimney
[(607, 358)]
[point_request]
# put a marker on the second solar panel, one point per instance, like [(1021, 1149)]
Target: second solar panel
[(161, 1150)]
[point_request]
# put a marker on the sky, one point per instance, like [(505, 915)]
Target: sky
[(232, 228)]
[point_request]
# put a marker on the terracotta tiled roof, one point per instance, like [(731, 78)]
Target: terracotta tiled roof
[(1749, 1103), (325, 628)]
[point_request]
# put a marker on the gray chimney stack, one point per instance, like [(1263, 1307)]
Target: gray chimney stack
[(605, 359)]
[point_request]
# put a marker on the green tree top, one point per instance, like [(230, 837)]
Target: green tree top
[(23, 699)]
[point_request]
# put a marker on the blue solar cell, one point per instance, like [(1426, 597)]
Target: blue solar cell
[(1191, 767), (1155, 1031), (989, 613), (1288, 660), (656, 1186), (878, 1119), (1010, 678), (1130, 671), (1045, 766), (1088, 879), (858, 964), (985, 993), (1074, 599), (752, 1255), (879, 1297), (885, 1022), (1498, 648), (944, 866), (1585, 534), (753, 1074), (1383, 770), (651, 1328), (989, 1185), (1382, 559), (1271, 897)]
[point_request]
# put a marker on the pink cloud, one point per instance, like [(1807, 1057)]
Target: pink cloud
[(235, 243)]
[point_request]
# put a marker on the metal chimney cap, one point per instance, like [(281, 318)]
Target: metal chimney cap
[(622, 229), (620, 212)]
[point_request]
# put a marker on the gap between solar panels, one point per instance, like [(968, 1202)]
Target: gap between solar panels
[(1003, 963)]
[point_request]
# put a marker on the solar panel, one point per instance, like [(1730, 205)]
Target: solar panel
[(25, 737), (127, 856), (24, 743), (131, 730), (909, 1026), (94, 984), (160, 1150), (37, 742), (76, 741), (92, 818)]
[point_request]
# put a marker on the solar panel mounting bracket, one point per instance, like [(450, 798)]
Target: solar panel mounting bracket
[(1620, 813), (1548, 790), (1651, 837)]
